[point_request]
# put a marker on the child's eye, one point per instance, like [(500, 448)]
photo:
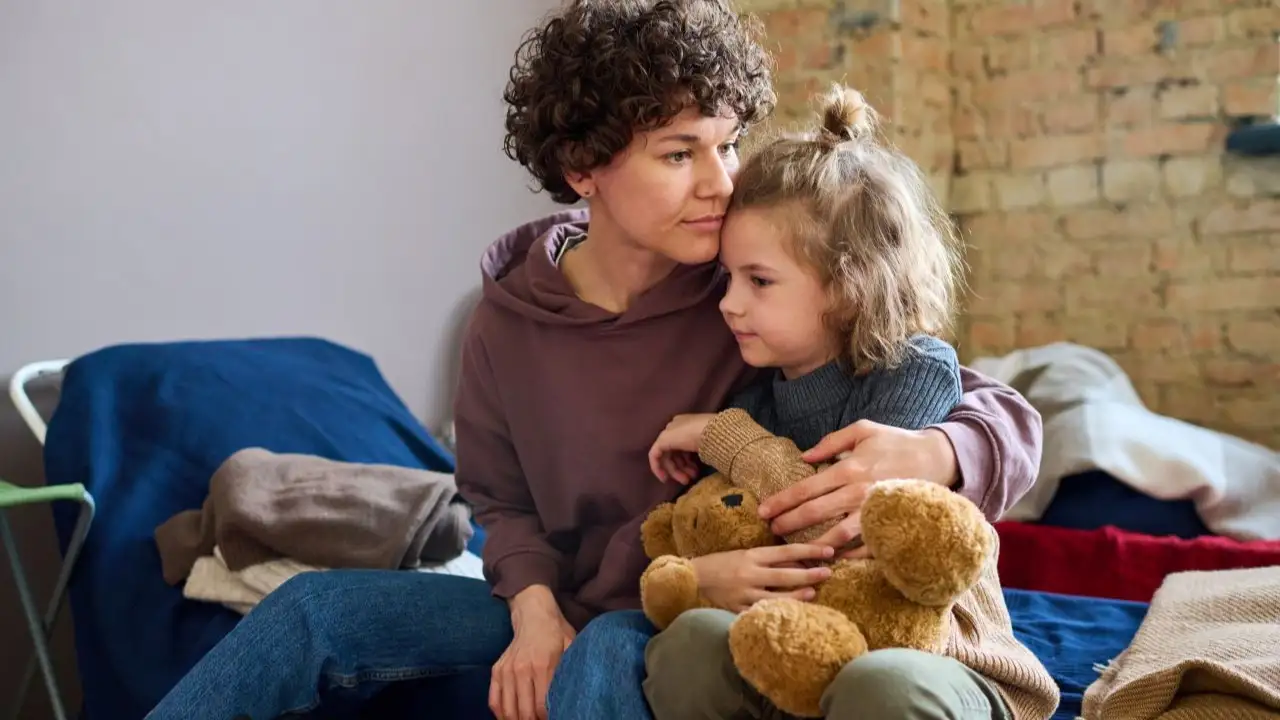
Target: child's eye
[(760, 282)]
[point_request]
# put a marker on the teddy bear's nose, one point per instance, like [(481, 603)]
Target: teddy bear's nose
[(732, 501)]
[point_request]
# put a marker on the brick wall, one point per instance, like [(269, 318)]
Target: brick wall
[(1080, 144)]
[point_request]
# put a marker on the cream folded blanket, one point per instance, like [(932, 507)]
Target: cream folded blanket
[(1209, 649), (241, 590)]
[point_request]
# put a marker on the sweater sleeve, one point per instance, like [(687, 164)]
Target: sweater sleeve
[(753, 458), (516, 551), (998, 438), (919, 392)]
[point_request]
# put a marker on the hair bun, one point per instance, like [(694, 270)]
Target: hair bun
[(846, 115)]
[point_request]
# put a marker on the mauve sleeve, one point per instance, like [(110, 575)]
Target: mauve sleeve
[(998, 438), (516, 553)]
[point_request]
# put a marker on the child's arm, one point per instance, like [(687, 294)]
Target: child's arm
[(671, 457), (674, 454), (919, 392)]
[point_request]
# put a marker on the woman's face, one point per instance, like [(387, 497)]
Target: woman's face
[(668, 191)]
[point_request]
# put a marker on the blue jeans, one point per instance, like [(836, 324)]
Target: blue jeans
[(601, 675), (364, 643)]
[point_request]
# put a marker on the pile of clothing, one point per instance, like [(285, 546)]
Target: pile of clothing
[(269, 516)]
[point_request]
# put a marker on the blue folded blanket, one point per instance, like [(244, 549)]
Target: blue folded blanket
[(144, 427), (1073, 635)]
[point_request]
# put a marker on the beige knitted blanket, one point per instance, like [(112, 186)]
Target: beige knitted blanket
[(1209, 649)]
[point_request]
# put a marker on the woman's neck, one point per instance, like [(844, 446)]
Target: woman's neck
[(610, 273)]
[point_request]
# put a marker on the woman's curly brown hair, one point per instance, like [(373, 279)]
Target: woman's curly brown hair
[(601, 70)]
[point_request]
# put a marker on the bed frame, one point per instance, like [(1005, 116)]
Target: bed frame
[(41, 629)]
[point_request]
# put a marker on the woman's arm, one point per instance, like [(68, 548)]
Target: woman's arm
[(516, 552), (523, 568), (997, 438), (988, 448)]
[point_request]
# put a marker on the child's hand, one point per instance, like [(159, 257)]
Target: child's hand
[(736, 579), (674, 454)]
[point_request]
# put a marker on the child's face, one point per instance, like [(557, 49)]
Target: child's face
[(774, 305)]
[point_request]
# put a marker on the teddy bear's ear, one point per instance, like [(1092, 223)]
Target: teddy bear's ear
[(657, 532)]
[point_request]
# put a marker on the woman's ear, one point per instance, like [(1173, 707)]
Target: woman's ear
[(582, 183)]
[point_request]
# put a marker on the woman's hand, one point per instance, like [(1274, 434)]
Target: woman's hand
[(870, 452), (736, 579), (673, 455), (521, 677)]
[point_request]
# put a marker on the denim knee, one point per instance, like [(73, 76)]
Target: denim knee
[(630, 622), (600, 675), (296, 597)]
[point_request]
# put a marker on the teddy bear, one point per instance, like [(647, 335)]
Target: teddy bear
[(927, 547)]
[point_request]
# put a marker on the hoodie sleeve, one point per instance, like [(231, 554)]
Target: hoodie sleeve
[(516, 551), (998, 439)]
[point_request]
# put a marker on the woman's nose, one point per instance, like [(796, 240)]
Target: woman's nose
[(716, 180)]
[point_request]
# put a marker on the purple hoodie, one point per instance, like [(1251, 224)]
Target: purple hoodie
[(559, 400)]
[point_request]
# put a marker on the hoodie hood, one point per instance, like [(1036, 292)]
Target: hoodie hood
[(520, 275)]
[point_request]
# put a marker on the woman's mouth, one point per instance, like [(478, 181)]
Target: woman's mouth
[(706, 223)]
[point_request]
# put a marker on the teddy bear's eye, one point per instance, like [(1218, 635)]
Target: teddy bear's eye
[(732, 501)]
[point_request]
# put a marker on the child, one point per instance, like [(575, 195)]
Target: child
[(843, 269)]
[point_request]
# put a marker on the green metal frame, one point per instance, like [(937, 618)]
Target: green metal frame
[(42, 629), (11, 496)]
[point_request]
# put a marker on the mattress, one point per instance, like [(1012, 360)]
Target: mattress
[(144, 426)]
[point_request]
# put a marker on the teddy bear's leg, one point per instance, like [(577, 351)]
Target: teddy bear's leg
[(859, 590), (790, 651), (668, 587), (931, 543)]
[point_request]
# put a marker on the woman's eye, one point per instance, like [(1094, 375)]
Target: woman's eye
[(729, 148), (679, 156)]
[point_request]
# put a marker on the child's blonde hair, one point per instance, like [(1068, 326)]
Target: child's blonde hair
[(864, 218)]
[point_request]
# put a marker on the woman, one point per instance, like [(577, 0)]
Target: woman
[(589, 337)]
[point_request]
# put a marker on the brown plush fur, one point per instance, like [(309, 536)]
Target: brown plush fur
[(929, 546), (713, 516)]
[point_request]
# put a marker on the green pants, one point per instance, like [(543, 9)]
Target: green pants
[(690, 674)]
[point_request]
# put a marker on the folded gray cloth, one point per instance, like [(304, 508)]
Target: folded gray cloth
[(264, 505)]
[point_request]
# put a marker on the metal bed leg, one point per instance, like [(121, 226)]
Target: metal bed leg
[(33, 622), (83, 522), (11, 496)]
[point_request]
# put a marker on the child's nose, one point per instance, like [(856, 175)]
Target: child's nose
[(728, 306)]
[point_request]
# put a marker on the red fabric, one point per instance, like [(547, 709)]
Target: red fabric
[(1113, 563)]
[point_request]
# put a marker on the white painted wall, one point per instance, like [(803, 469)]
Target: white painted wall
[(189, 170)]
